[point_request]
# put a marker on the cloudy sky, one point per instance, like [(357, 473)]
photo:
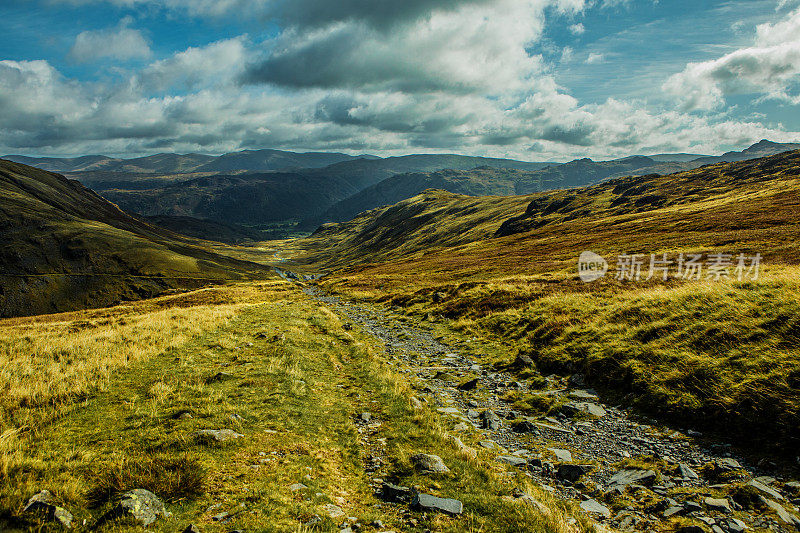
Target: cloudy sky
[(528, 79)]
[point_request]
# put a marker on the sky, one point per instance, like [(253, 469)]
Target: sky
[(538, 80)]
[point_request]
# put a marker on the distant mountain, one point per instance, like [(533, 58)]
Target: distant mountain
[(261, 160), (675, 158), (65, 247), (153, 164), (269, 197), (482, 181), (763, 148)]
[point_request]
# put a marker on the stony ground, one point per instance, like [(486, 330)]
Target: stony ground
[(625, 472)]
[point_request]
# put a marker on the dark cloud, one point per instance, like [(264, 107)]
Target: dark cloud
[(351, 56), (380, 14)]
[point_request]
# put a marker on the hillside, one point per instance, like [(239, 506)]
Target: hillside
[(66, 248), (482, 181), (512, 281)]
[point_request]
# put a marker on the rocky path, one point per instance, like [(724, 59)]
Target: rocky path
[(625, 472)]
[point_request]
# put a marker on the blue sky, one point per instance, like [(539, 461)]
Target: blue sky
[(529, 79)]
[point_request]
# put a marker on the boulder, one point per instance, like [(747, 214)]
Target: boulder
[(426, 502), (42, 504), (573, 473), (140, 506), (395, 493), (490, 420), (472, 384), (429, 464)]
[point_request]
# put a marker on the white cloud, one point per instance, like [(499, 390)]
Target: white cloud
[(768, 68), (121, 43), (213, 64), (577, 29), (595, 58)]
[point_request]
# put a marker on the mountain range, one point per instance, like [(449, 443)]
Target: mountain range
[(272, 193)]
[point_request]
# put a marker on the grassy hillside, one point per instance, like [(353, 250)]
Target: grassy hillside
[(720, 355), (65, 248)]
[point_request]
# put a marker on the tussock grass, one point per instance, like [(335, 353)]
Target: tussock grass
[(173, 478)]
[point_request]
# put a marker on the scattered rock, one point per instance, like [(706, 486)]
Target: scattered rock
[(490, 420), (769, 491), (565, 456), (426, 502), (672, 511), (334, 511), (395, 493), (593, 507), (216, 435), (573, 473), (472, 384), (138, 505), (191, 528), (623, 478), (718, 504), (366, 417), (511, 460), (685, 471), (297, 486), (429, 464), (42, 504)]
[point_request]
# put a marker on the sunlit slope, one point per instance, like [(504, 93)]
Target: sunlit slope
[(718, 355), (64, 247), (738, 207)]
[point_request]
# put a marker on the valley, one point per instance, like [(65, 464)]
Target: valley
[(294, 387)]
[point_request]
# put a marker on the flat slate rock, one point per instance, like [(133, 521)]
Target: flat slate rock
[(627, 477), (783, 514), (769, 491), (426, 502), (685, 471), (594, 507), (565, 456), (584, 407), (573, 473), (511, 460)]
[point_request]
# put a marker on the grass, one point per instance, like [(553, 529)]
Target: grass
[(293, 381)]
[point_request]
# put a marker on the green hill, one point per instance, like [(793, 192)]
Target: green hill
[(66, 248)]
